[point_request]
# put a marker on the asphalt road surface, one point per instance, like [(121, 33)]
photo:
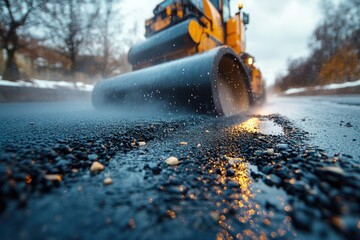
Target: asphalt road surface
[(288, 169)]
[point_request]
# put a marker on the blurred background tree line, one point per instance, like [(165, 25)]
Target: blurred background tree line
[(73, 40), (334, 49)]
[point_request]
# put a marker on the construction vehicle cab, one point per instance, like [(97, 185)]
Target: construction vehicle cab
[(181, 28), (190, 26)]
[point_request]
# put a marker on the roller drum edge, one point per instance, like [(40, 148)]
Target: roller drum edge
[(213, 82)]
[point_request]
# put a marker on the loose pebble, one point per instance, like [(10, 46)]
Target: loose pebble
[(198, 145), (335, 170), (233, 161), (107, 181), (215, 215), (270, 151), (53, 177), (142, 143), (338, 222), (96, 167), (133, 143), (172, 161)]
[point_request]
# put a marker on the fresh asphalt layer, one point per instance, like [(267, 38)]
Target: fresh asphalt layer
[(288, 169)]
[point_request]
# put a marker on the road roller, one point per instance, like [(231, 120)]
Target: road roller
[(194, 57)]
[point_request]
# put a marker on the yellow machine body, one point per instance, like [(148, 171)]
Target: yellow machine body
[(212, 26), (193, 58)]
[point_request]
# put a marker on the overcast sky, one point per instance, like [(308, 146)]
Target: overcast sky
[(279, 29)]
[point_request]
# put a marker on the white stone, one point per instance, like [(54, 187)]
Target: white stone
[(172, 161), (107, 181), (270, 151), (96, 167)]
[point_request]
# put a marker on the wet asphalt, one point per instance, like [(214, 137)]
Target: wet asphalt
[(288, 169)]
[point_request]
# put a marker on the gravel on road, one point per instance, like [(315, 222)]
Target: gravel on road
[(172, 176)]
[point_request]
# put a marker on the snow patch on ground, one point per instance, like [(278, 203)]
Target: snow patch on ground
[(325, 87), (342, 85), (36, 83), (295, 90)]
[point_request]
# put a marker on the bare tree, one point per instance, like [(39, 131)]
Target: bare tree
[(340, 26), (113, 40), (109, 25), (15, 19), (68, 24), (335, 49)]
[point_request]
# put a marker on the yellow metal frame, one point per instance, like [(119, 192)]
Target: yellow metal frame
[(235, 34), (209, 33), (212, 34)]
